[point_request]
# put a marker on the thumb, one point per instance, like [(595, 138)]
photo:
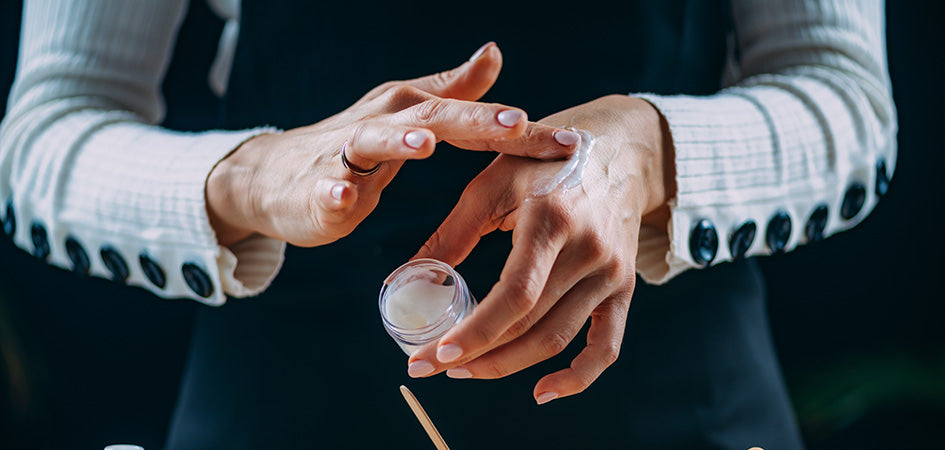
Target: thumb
[(334, 202), (470, 81), (471, 218)]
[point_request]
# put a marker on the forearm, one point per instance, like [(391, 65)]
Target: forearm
[(809, 123), (82, 161)]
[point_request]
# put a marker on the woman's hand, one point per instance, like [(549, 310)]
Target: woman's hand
[(573, 255), (293, 186)]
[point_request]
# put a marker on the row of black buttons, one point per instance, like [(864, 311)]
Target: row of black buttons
[(704, 239), (195, 277)]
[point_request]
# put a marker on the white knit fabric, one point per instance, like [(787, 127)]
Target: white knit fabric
[(809, 112), (80, 156)]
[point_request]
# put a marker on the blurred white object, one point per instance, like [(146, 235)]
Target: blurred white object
[(123, 447)]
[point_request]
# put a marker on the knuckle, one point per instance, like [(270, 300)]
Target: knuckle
[(443, 80), (610, 353), (433, 244), (380, 90), (559, 217), (519, 327), (597, 249), (330, 224), (402, 95), (483, 335), (553, 343), (619, 274), (492, 368), (428, 111), (524, 293), (615, 273), (475, 188), (529, 139), (584, 381), (614, 309), (477, 115), (357, 136), (387, 86)]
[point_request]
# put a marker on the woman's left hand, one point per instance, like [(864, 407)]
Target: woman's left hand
[(573, 255)]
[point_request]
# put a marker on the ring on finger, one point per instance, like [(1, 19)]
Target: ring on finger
[(354, 169)]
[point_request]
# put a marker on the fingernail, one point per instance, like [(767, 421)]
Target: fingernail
[(337, 191), (459, 373), (448, 352), (415, 139), (481, 50), (546, 397), (419, 368), (510, 117), (567, 138)]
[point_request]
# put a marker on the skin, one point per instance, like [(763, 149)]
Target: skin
[(292, 185), (573, 255)]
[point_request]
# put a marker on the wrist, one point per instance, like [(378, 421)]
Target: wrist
[(648, 153), (228, 196), (663, 183)]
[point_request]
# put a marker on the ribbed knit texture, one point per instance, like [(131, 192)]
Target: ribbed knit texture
[(809, 112), (82, 158)]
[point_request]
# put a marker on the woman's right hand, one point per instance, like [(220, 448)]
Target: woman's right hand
[(293, 186)]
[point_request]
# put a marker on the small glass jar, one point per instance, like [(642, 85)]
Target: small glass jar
[(421, 301)]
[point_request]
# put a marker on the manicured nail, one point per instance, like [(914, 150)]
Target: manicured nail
[(546, 397), (481, 50), (567, 138), (337, 191), (415, 139), (448, 352), (419, 368), (458, 373), (510, 117)]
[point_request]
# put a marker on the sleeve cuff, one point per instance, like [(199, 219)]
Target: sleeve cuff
[(248, 267), (749, 185), (140, 217)]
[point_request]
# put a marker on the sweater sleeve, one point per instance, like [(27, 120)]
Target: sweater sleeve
[(89, 182), (800, 146)]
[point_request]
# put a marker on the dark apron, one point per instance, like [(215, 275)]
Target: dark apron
[(308, 364)]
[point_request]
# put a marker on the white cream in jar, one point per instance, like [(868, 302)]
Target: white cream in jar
[(421, 300)]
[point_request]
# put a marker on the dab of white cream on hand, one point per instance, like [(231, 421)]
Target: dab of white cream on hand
[(572, 173)]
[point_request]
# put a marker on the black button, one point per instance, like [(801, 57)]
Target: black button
[(197, 279), (882, 178), (816, 224), (703, 242), (742, 239), (80, 259), (9, 220), (115, 264), (853, 201), (779, 232), (40, 243), (152, 270)]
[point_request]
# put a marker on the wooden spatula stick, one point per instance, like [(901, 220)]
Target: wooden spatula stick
[(424, 419)]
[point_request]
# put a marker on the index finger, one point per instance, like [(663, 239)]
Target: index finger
[(536, 245), (539, 141), (488, 126)]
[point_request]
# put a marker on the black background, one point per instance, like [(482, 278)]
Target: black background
[(859, 319)]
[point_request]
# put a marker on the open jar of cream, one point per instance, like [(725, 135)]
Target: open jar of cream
[(421, 301)]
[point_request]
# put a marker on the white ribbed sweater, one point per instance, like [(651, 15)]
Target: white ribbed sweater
[(809, 113)]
